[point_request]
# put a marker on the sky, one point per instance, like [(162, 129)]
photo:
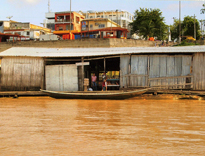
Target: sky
[(33, 11)]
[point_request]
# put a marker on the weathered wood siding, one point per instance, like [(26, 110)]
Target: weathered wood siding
[(169, 67), (138, 70), (162, 71), (22, 73), (124, 70), (199, 71), (62, 77)]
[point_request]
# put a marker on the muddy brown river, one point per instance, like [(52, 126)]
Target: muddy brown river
[(42, 126)]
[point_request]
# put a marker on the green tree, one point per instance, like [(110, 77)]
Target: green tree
[(149, 23), (188, 27), (175, 30), (203, 9)]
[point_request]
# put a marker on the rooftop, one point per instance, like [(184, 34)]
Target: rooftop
[(89, 52)]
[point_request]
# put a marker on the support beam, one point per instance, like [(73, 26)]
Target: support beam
[(82, 72), (148, 64), (104, 65), (129, 69)]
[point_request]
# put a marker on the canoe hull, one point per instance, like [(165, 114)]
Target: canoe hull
[(95, 95)]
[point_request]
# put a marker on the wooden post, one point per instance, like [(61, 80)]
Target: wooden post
[(148, 83), (82, 72), (104, 65), (129, 70), (43, 81)]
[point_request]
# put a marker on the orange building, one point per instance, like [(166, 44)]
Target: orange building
[(62, 23)]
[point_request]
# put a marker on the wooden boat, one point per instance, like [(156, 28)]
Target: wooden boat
[(121, 94)]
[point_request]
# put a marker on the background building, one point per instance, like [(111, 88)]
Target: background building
[(30, 31), (121, 17), (101, 28)]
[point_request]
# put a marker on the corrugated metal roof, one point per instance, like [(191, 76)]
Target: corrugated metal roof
[(79, 52)]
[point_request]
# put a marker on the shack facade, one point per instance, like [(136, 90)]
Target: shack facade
[(65, 69)]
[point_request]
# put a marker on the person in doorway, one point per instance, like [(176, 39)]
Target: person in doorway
[(104, 77), (104, 82), (104, 85), (94, 79)]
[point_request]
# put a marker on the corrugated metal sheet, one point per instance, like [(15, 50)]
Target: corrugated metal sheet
[(80, 52)]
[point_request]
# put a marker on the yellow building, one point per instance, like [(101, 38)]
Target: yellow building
[(97, 23), (102, 28), (29, 31)]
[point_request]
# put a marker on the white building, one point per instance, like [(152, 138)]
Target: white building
[(123, 18), (49, 22)]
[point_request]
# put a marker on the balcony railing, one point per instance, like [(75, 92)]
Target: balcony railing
[(64, 20)]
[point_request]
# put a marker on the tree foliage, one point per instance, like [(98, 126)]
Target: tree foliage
[(149, 23), (175, 30), (203, 9), (187, 27)]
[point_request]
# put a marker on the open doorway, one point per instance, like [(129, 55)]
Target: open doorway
[(109, 66)]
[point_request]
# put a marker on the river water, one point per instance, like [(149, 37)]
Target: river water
[(43, 126)]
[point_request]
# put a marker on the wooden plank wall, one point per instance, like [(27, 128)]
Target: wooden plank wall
[(170, 66), (62, 77), (165, 71), (22, 73), (198, 71), (124, 70), (139, 68)]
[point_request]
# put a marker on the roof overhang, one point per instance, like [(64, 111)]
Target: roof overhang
[(93, 52)]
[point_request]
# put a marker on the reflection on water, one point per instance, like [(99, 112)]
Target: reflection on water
[(46, 126)]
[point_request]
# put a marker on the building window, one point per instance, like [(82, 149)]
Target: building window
[(60, 28), (91, 26), (28, 33), (98, 16), (77, 20), (101, 25), (91, 16), (102, 16)]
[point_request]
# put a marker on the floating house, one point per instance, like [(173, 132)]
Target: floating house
[(64, 69)]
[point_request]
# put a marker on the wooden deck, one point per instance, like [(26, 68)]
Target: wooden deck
[(21, 93)]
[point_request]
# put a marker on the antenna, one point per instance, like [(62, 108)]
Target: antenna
[(49, 6), (9, 17)]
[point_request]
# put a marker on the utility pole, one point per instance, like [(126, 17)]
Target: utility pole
[(70, 19), (201, 25), (111, 21), (194, 28), (179, 22), (49, 10)]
